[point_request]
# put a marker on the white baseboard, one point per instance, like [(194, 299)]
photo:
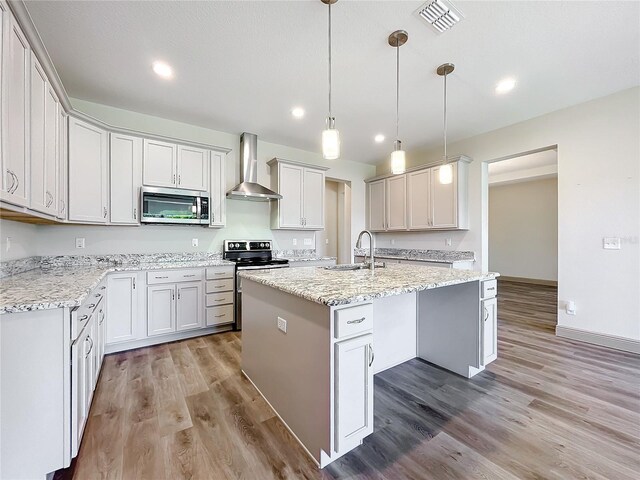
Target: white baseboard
[(602, 339)]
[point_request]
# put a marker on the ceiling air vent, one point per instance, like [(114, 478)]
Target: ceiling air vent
[(441, 15)]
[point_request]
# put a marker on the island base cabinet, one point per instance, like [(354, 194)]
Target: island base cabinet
[(353, 411)]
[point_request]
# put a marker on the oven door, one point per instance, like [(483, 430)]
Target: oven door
[(238, 318), (170, 205)]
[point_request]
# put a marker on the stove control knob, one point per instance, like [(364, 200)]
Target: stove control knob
[(262, 245)]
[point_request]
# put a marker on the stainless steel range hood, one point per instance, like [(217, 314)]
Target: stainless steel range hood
[(249, 188)]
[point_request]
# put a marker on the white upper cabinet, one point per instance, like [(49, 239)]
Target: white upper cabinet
[(63, 165), (418, 199), (302, 188), (15, 112), (126, 179), (160, 163), (44, 137), (193, 168), (217, 200), (396, 196), (376, 205), (88, 172)]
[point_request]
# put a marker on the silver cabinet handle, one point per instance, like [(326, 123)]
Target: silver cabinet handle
[(491, 288), (486, 314), (218, 286), (372, 355), (135, 213), (105, 212), (83, 318), (90, 347), (174, 179), (187, 276), (17, 182), (134, 283), (98, 295), (103, 287), (221, 315), (219, 273), (179, 179), (91, 305), (359, 320), (219, 300), (173, 295), (158, 278), (178, 294), (101, 317), (48, 202), (13, 181), (64, 206)]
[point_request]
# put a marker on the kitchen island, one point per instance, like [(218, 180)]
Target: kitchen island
[(313, 338)]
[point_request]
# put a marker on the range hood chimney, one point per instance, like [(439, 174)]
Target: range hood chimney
[(249, 188)]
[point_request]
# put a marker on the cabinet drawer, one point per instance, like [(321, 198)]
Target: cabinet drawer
[(219, 315), (173, 276), (489, 288), (215, 286), (352, 320), (217, 299), (216, 273), (82, 315)]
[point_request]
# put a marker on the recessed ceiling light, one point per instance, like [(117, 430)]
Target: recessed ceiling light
[(505, 85), (162, 69), (297, 112), (379, 138)]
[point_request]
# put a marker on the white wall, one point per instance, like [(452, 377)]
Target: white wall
[(244, 219), (523, 229), (17, 240), (598, 195), (328, 238)]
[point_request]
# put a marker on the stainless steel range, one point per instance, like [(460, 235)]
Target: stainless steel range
[(249, 255)]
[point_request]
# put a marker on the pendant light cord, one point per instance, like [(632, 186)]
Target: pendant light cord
[(329, 59), (397, 88), (445, 118)]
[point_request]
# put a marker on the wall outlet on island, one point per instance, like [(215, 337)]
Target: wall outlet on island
[(282, 325), (447, 242), (79, 242), (194, 242)]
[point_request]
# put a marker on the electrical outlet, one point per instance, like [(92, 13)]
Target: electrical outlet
[(194, 242), (611, 243), (308, 241), (79, 242), (8, 247), (447, 242), (282, 325), (326, 241), (571, 307), (294, 242)]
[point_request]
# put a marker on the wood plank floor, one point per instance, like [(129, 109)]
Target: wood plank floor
[(547, 408)]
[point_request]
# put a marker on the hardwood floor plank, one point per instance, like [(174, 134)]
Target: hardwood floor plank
[(143, 452)]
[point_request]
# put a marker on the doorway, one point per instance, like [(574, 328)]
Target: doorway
[(523, 222), (334, 240)]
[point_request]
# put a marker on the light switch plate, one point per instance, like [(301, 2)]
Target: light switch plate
[(194, 242), (611, 243), (282, 325), (79, 242)]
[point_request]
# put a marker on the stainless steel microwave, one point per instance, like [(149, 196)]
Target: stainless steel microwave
[(174, 205)]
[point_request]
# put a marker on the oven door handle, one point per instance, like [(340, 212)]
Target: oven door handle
[(198, 208)]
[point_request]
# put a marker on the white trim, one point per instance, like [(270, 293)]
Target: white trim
[(171, 337), (602, 339), (281, 419)]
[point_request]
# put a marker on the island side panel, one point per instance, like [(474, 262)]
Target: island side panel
[(292, 370), (449, 327), (394, 330)]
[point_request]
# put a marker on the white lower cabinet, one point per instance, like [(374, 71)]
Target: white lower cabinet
[(189, 306), (353, 391), (122, 307), (489, 330), (161, 311), (82, 382)]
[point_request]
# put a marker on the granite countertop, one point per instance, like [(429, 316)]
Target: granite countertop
[(62, 286), (332, 287), (435, 256)]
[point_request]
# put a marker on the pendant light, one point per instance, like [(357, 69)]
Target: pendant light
[(398, 157), (330, 136), (446, 170)]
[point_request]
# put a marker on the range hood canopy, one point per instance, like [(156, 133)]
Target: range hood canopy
[(249, 188)]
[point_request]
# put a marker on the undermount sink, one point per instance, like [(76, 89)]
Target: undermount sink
[(353, 266)]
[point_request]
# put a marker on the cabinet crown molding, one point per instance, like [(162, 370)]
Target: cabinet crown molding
[(276, 161), (424, 166)]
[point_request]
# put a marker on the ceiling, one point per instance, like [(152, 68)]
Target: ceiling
[(242, 65)]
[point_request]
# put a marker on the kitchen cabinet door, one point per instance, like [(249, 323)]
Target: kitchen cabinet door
[(353, 391), (190, 306), (376, 206), (63, 165), (38, 167), (217, 199), (396, 202), (122, 308), (193, 168), (51, 149), (489, 330), (419, 199), (15, 114), (161, 311), (82, 373), (99, 339), (88, 172), (313, 199), (126, 178), (290, 179), (444, 200), (160, 163)]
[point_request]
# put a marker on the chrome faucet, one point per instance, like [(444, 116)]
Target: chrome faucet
[(372, 247)]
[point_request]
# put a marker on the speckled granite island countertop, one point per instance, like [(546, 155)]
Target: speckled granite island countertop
[(59, 287), (334, 287)]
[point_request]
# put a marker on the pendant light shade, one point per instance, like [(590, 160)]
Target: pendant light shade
[(330, 136), (398, 157), (445, 173)]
